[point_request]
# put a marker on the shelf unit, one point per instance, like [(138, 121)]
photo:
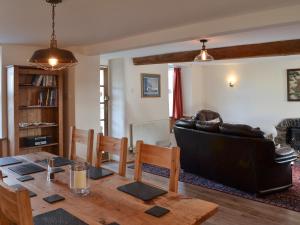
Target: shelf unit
[(25, 106)]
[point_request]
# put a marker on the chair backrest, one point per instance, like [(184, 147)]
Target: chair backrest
[(114, 146), (85, 137), (159, 156), (15, 207)]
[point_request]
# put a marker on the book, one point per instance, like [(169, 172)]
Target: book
[(37, 80), (47, 98)]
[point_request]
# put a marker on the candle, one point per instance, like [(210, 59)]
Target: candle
[(80, 179), (79, 182)]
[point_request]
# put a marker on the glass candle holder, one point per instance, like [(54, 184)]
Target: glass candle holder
[(79, 181)]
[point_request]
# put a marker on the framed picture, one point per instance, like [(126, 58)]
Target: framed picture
[(150, 85), (293, 84)]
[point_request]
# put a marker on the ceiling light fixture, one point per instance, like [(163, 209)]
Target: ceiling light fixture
[(203, 56), (53, 58)]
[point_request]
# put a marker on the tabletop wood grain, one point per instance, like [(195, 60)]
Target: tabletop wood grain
[(106, 204)]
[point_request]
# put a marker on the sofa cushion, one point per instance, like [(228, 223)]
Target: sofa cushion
[(241, 130), (208, 126), (186, 123)]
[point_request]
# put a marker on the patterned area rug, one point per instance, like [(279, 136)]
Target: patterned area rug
[(289, 199)]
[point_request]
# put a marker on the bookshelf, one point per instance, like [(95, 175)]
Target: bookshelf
[(35, 109)]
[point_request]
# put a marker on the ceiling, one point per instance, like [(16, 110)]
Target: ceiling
[(267, 34), (82, 22)]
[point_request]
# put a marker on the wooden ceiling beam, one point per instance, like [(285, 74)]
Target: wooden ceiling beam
[(278, 48)]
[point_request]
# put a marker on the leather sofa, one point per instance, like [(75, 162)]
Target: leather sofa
[(246, 162)]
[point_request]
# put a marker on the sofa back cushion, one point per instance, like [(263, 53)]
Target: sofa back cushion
[(186, 123), (241, 130), (208, 126)]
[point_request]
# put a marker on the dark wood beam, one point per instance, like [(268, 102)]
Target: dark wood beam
[(278, 48)]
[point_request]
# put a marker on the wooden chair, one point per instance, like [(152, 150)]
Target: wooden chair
[(1, 179), (15, 207), (82, 137), (113, 146), (159, 156)]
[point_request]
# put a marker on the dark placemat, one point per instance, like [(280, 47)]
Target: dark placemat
[(26, 169), (157, 211), (6, 161), (19, 186), (142, 191), (97, 173), (25, 178), (58, 161), (114, 223), (57, 217), (57, 170)]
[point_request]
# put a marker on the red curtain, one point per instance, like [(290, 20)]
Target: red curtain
[(177, 95)]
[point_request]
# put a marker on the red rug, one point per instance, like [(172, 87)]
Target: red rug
[(289, 199)]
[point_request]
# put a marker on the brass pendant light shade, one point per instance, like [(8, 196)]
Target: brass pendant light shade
[(53, 58), (203, 56)]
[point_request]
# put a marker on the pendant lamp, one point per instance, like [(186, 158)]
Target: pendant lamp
[(203, 56), (53, 58)]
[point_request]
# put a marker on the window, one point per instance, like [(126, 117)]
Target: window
[(170, 89), (103, 88)]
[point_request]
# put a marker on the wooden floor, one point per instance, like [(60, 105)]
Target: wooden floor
[(233, 210)]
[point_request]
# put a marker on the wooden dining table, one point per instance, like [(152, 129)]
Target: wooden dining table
[(105, 204)]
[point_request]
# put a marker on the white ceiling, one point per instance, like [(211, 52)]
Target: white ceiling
[(82, 22), (267, 34)]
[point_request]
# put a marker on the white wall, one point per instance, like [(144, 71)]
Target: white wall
[(86, 95), (140, 109), (149, 116), (259, 97)]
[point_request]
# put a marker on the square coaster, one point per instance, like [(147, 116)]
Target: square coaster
[(97, 173), (142, 191), (54, 198), (157, 211), (25, 178), (19, 186)]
